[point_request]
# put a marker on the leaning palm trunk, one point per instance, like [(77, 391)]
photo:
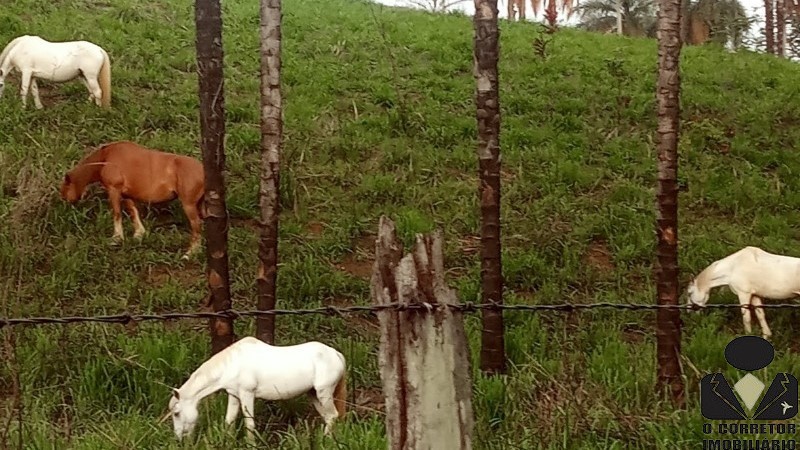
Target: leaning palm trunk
[(668, 95), (487, 102), (271, 136)]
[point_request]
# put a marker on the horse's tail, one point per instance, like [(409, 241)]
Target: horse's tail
[(105, 81), (340, 395)]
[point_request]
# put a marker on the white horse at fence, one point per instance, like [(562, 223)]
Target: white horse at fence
[(250, 369), (59, 62), (752, 274)]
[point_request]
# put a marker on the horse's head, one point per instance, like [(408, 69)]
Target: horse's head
[(696, 297), (184, 415), (70, 191)]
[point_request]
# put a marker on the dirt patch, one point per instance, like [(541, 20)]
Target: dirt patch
[(9, 191), (53, 96), (599, 256), (315, 228), (360, 269), (160, 274), (359, 261)]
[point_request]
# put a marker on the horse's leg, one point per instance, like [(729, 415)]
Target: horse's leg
[(744, 301), (247, 400), (521, 8), (327, 408), (190, 209), (115, 198), (94, 89), (312, 396), (139, 230), (90, 99), (233, 409), (762, 317), (25, 83), (35, 91)]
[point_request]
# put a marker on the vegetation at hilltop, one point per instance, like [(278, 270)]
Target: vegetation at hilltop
[(379, 119)]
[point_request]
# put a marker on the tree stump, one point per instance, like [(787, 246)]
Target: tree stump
[(424, 357)]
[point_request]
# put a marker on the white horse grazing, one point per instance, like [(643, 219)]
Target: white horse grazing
[(60, 62), (250, 369), (752, 274)]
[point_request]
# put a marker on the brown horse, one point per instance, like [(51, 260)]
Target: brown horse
[(129, 172)]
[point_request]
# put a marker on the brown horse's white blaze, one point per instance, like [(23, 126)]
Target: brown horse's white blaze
[(129, 173)]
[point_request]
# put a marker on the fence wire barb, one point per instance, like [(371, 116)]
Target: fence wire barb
[(466, 307)]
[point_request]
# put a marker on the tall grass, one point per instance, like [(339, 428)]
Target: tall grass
[(379, 119)]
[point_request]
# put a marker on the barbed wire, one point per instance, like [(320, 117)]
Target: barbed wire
[(467, 307)]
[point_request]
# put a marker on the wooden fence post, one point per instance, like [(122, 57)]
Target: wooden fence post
[(271, 141), (208, 23), (668, 92), (424, 357), (486, 51)]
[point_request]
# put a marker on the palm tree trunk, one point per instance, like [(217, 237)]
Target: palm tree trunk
[(619, 17), (769, 25), (208, 23), (487, 100), (668, 322), (271, 137), (780, 22)]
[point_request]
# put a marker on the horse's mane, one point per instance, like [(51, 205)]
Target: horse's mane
[(708, 274), (8, 49), (721, 268), (96, 155), (207, 373)]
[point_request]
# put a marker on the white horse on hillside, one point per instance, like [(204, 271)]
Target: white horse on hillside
[(250, 369), (752, 274), (59, 62)]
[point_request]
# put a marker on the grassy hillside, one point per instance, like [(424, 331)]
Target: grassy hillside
[(379, 120)]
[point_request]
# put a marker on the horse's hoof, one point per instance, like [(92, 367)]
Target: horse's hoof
[(139, 236)]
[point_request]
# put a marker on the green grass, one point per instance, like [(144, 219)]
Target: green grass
[(379, 119)]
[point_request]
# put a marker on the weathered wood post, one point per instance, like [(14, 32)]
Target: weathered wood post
[(211, 83), (668, 93), (424, 357), (486, 51), (271, 141)]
